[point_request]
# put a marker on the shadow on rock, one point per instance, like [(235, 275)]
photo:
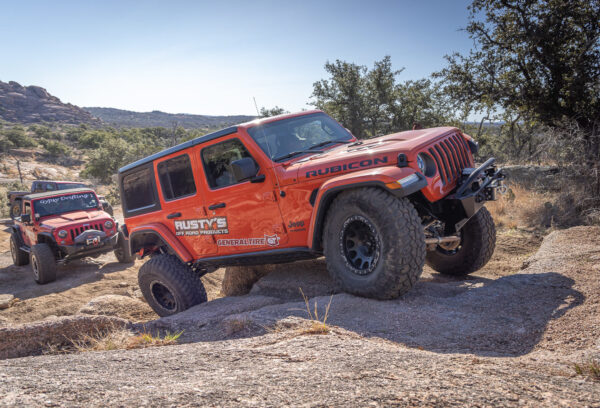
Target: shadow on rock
[(501, 317)]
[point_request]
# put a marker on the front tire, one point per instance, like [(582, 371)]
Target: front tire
[(19, 256), (478, 240), (169, 286), (374, 243), (43, 263)]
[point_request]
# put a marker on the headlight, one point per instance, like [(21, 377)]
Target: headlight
[(108, 224), (62, 234), (426, 164)]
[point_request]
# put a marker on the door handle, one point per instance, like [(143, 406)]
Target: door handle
[(215, 206), (174, 215)]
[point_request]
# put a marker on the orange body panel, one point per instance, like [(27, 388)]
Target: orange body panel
[(281, 211)]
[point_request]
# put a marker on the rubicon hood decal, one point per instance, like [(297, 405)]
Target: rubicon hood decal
[(343, 167)]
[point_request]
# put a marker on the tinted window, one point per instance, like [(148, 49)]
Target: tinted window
[(138, 189), (71, 185), (217, 161), (176, 177), (284, 137)]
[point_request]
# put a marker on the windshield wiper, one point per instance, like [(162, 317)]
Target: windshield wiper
[(328, 142), (291, 154)]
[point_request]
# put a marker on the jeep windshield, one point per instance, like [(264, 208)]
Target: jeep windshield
[(300, 135), (65, 203)]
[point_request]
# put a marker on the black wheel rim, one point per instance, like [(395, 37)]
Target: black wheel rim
[(163, 296), (360, 245)]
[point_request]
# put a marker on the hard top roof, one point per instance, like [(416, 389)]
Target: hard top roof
[(211, 136), (46, 194)]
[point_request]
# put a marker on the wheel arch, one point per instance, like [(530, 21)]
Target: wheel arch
[(155, 236), (367, 178)]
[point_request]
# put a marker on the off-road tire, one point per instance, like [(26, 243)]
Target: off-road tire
[(183, 286), (19, 256), (15, 209), (399, 238), (43, 263), (122, 250), (478, 240)]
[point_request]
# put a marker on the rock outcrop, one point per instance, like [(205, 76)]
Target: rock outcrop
[(33, 104)]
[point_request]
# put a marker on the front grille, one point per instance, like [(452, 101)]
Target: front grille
[(451, 156), (75, 231)]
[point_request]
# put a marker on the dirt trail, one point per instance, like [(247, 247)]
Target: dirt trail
[(503, 337)]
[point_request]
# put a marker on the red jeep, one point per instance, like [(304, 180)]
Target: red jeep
[(57, 227), (301, 186)]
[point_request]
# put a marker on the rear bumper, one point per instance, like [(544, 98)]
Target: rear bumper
[(75, 251), (478, 186)]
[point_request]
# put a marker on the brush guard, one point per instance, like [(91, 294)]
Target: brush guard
[(478, 186)]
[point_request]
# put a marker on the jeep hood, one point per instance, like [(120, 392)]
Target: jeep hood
[(74, 217), (377, 152)]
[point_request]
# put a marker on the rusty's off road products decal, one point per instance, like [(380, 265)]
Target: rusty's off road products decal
[(350, 166), (202, 226), (267, 240)]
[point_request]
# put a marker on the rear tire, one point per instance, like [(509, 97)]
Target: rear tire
[(122, 250), (478, 240), (169, 286), (43, 263), (15, 209), (374, 243), (19, 256)]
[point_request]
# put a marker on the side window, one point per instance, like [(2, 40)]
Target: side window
[(50, 187), (217, 161), (37, 186), (176, 177), (138, 189), (27, 208)]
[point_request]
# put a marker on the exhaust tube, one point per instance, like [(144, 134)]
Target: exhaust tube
[(442, 240)]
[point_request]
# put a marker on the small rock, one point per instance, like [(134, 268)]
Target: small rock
[(6, 301), (123, 284)]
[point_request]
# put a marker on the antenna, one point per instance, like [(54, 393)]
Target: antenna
[(281, 193)]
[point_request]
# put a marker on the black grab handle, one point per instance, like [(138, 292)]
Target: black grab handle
[(174, 215), (215, 206)]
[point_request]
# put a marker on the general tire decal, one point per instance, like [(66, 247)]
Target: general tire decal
[(267, 240), (202, 226), (349, 166)]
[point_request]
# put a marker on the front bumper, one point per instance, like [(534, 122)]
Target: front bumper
[(80, 250), (478, 186)]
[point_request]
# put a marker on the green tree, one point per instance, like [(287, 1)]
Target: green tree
[(536, 60), (266, 113)]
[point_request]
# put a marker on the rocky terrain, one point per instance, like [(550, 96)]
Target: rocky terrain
[(509, 335), (125, 118), (33, 104)]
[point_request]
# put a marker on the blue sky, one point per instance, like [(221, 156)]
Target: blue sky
[(213, 57)]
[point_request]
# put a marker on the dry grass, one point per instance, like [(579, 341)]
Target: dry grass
[(521, 207), (318, 325), (122, 339), (589, 369)]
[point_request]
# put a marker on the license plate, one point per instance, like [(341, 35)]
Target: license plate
[(93, 241)]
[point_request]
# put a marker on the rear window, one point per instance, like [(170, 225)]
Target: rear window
[(138, 190), (176, 177), (70, 186)]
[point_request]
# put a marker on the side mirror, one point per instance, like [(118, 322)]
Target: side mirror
[(243, 169), (26, 218)]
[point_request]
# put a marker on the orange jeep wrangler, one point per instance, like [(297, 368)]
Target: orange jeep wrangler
[(301, 186)]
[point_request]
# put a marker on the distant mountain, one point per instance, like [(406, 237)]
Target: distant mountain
[(124, 118), (33, 104)]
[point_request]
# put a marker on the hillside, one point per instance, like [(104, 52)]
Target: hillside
[(33, 104), (125, 118)]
